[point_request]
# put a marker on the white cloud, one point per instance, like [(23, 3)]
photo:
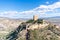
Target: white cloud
[(43, 9), (47, 2), (47, 10)]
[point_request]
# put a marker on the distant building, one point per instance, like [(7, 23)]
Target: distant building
[(35, 17)]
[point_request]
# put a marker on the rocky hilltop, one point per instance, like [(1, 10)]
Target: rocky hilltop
[(37, 29)]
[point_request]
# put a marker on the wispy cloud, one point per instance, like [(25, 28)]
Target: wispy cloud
[(42, 11), (45, 10)]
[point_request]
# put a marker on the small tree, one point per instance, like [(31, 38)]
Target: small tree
[(30, 21), (40, 21)]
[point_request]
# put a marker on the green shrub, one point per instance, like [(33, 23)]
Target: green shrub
[(29, 21)]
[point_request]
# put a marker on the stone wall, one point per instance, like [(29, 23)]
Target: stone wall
[(38, 26)]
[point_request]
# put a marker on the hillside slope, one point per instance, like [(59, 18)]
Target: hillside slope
[(48, 33), (8, 25)]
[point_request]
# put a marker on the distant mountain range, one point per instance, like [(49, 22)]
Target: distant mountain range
[(55, 17), (28, 18)]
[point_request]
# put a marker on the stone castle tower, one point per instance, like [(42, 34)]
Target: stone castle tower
[(35, 17)]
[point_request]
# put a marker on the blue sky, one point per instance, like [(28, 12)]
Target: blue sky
[(28, 8)]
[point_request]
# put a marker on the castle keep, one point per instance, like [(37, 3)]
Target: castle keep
[(35, 17)]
